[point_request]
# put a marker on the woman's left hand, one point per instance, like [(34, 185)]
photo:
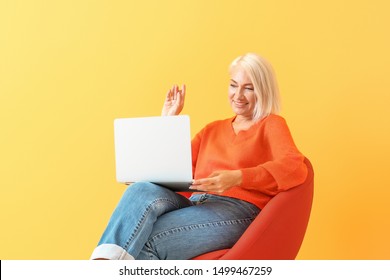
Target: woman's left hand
[(174, 101), (218, 181)]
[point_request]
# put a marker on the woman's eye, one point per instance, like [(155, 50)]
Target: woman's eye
[(250, 89), (231, 85)]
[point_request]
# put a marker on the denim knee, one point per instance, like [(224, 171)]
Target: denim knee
[(153, 197), (143, 192)]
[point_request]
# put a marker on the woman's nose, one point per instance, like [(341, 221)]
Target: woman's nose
[(239, 92)]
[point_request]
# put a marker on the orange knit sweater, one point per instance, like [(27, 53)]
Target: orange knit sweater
[(265, 153)]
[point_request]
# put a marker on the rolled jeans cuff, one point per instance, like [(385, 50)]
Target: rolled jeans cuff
[(111, 252)]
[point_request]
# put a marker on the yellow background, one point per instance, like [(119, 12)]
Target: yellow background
[(68, 68)]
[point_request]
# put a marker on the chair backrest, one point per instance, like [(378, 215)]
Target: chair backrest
[(279, 229)]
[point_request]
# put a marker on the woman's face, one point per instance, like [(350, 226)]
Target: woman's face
[(242, 96)]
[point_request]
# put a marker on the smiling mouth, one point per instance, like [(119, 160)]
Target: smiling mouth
[(240, 104)]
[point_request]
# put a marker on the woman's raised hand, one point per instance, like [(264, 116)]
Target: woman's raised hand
[(174, 101)]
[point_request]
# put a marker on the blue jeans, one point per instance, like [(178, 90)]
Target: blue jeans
[(152, 222)]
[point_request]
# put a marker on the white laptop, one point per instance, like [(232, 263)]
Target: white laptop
[(154, 149)]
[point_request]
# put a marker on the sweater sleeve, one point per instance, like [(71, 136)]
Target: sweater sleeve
[(284, 170)]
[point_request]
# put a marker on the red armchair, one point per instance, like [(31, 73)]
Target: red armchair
[(278, 231)]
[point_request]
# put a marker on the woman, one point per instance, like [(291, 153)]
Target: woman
[(239, 164)]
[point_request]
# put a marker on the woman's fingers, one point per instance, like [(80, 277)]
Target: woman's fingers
[(168, 96), (202, 184), (174, 101), (205, 182), (219, 181), (183, 90)]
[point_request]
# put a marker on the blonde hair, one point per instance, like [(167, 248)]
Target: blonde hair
[(264, 82)]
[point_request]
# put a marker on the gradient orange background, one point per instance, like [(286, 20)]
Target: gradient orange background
[(68, 68)]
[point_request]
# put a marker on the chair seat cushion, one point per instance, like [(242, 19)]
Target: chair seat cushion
[(215, 255)]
